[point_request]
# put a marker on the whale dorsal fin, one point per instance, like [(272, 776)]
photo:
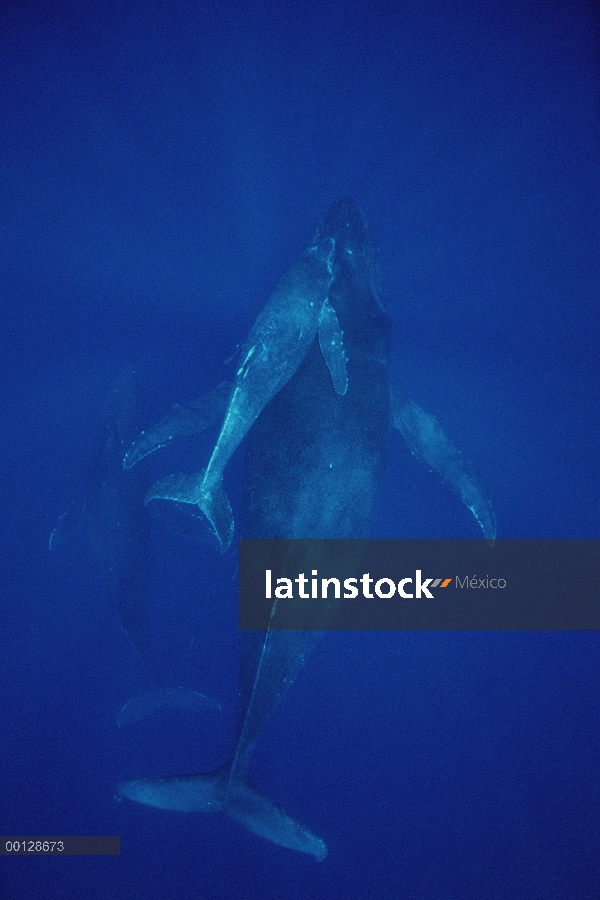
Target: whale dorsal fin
[(331, 341)]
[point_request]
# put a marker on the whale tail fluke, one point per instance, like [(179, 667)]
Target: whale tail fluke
[(214, 503), (240, 800), (259, 815), (183, 793), (145, 704), (211, 499)]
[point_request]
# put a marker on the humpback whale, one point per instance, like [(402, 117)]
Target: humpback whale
[(319, 430), (118, 523), (280, 338)]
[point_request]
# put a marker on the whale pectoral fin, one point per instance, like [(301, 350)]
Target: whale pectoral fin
[(427, 441), (211, 500), (184, 421), (69, 523), (331, 341), (252, 810)]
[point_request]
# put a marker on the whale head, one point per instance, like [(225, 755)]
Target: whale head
[(345, 224)]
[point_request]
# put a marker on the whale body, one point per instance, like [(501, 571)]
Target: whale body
[(314, 465), (118, 524), (315, 461)]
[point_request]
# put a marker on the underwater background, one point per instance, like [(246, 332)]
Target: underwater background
[(162, 165)]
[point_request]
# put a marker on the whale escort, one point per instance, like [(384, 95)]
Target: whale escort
[(112, 511), (319, 419)]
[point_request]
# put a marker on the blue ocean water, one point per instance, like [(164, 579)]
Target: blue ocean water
[(162, 165)]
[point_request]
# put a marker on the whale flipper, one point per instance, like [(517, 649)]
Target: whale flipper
[(331, 342), (243, 802), (145, 704), (426, 440), (184, 421), (211, 499)]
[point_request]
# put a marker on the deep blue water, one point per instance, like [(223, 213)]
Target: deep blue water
[(162, 165)]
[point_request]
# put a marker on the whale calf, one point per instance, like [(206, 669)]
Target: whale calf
[(280, 339)]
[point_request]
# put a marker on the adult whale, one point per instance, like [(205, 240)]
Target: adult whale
[(315, 462), (112, 511)]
